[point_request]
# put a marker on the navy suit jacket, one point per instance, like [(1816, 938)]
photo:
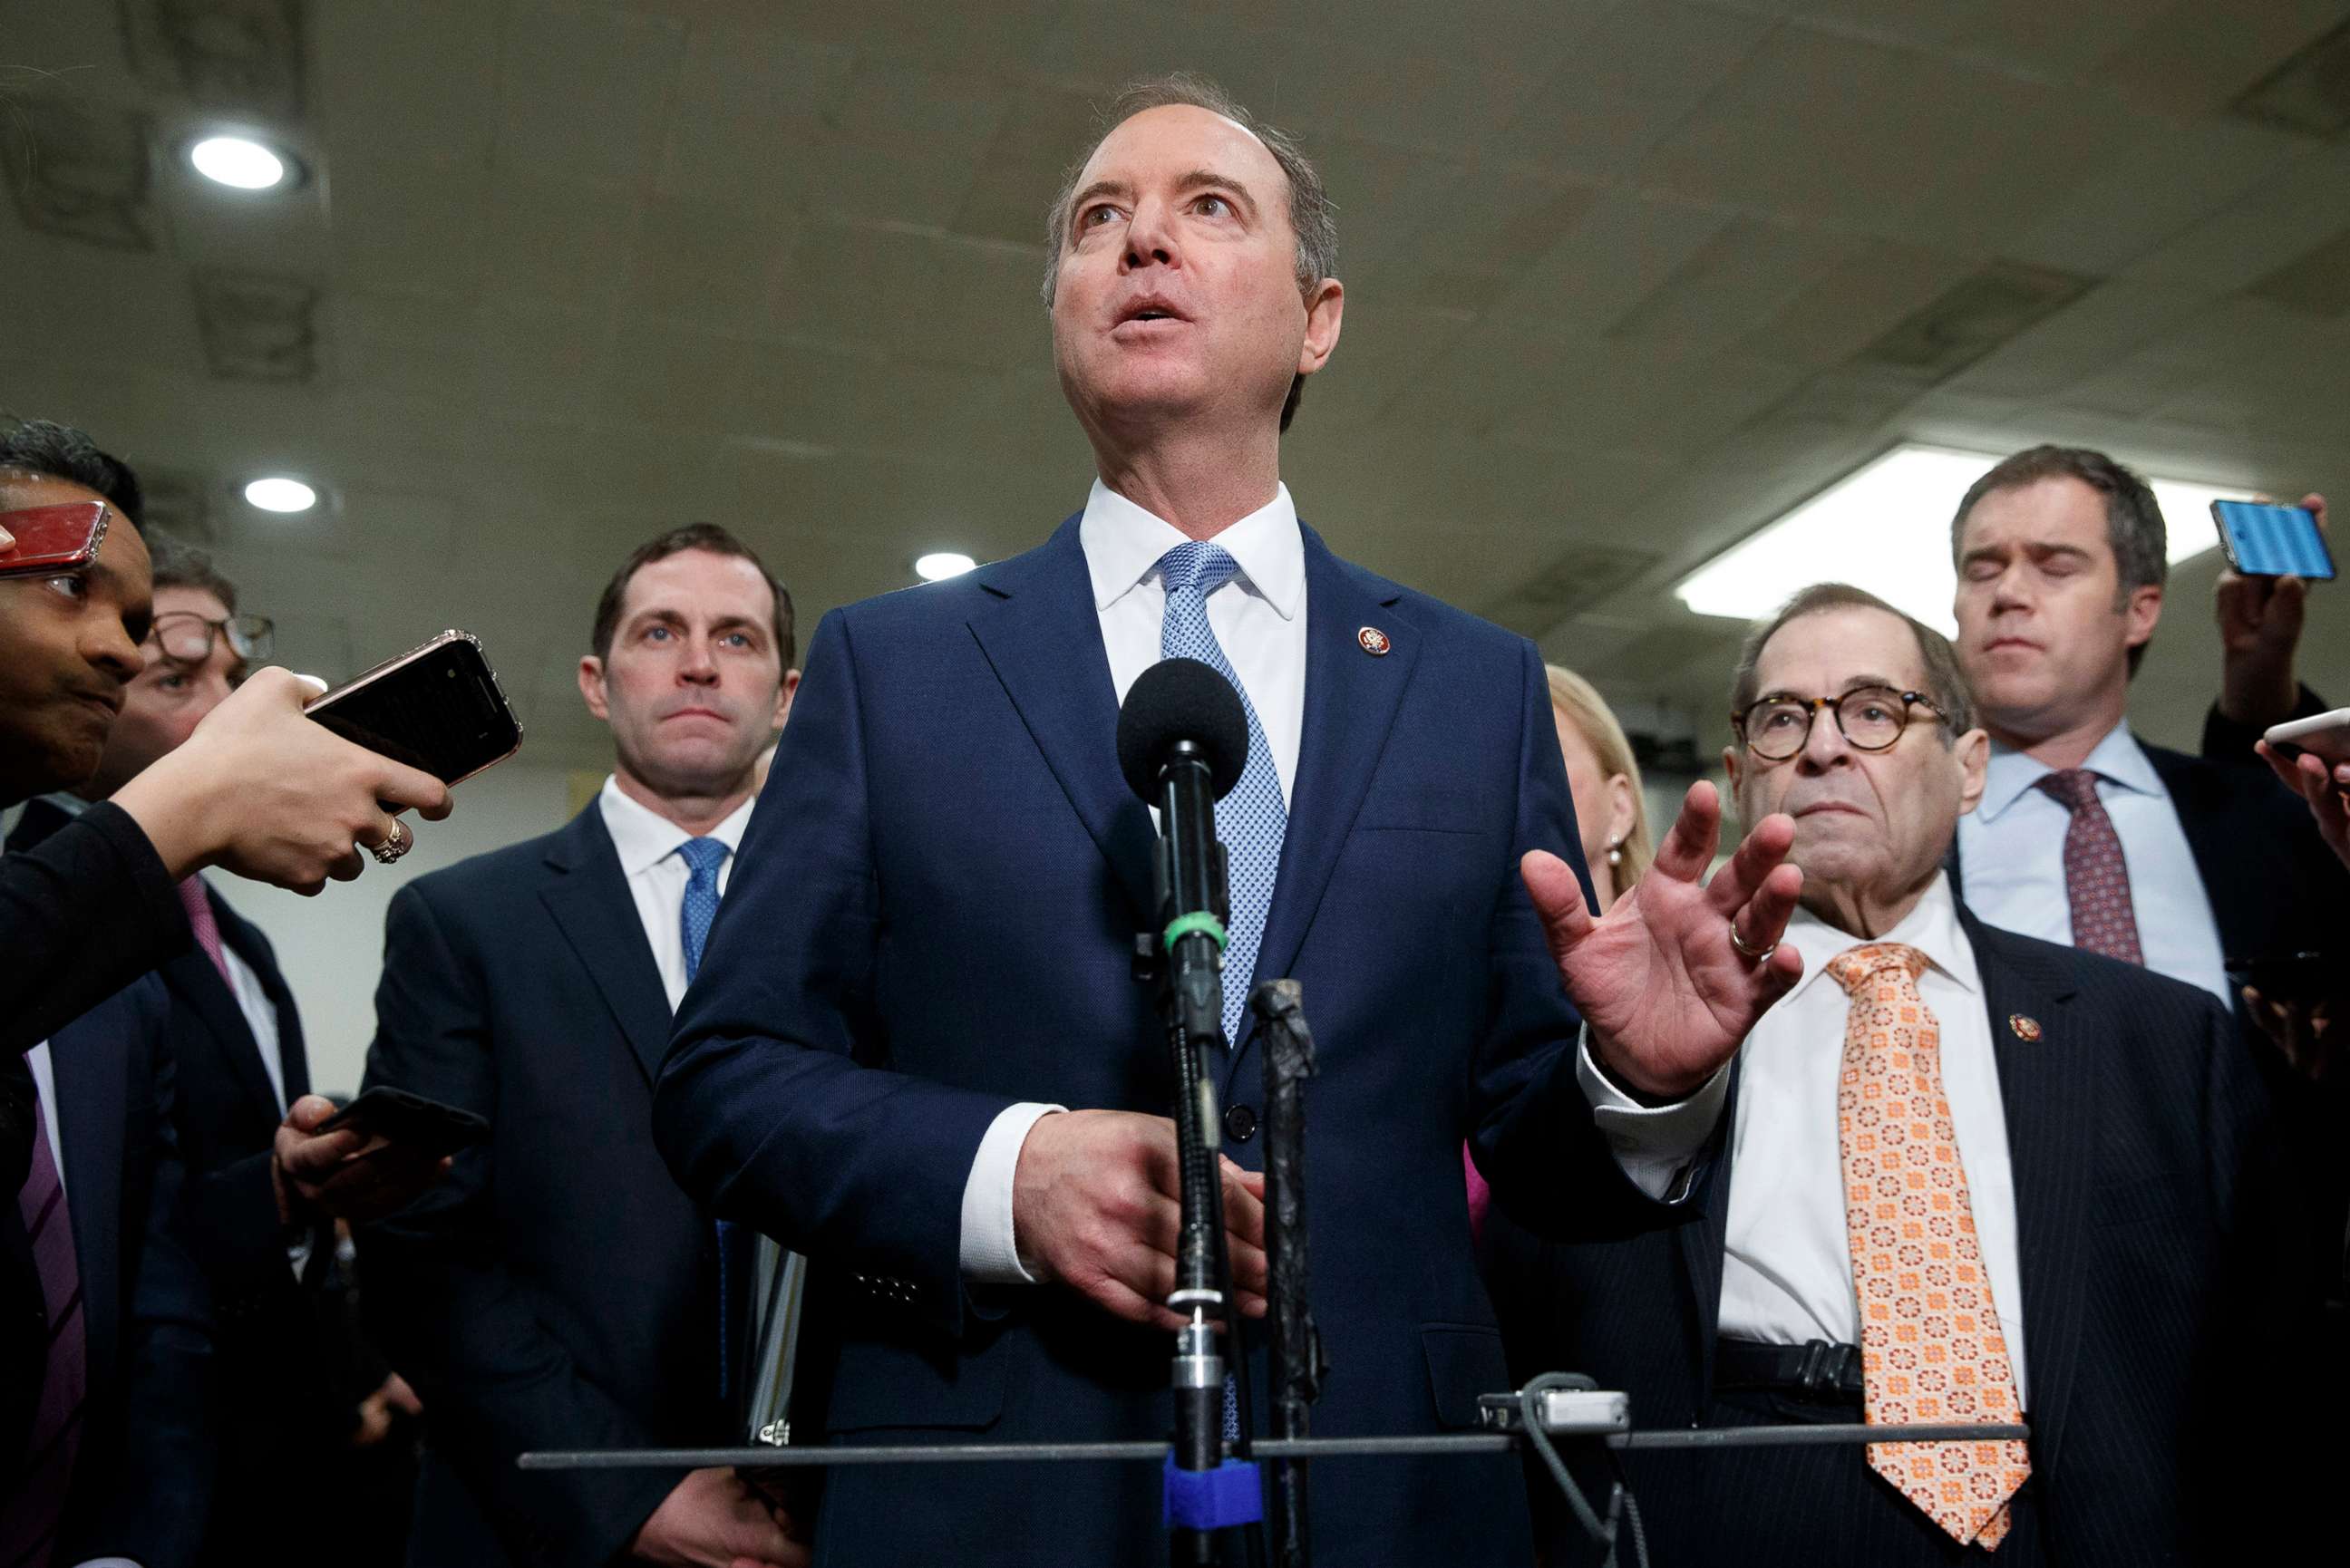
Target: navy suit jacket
[(558, 1290), (142, 1477), (2155, 1317), (934, 917)]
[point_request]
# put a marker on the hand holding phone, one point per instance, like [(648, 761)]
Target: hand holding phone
[(437, 709), (2263, 540), (359, 1168)]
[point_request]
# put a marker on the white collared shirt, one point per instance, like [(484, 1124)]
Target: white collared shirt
[(1786, 1269), (1259, 620), (657, 875), (2011, 859)]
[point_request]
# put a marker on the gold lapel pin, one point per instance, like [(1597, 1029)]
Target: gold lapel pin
[(2026, 1028), (1374, 641)]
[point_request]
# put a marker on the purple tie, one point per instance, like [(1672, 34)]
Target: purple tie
[(2096, 877), (205, 924), (37, 1501)]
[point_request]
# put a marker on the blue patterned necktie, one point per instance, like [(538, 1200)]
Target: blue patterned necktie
[(1251, 819), (703, 858)]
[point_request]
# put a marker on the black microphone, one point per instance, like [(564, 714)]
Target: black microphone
[(1182, 743)]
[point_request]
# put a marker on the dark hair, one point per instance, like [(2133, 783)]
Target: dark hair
[(1312, 216), (178, 565), (43, 449), (1946, 678), (707, 536), (2134, 526)]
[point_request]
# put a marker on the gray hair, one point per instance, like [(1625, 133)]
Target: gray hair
[(1312, 217), (2134, 526), (1946, 680)]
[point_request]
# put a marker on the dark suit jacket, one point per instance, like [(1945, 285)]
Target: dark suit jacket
[(2147, 1216), (142, 1477), (558, 1290), (934, 919)]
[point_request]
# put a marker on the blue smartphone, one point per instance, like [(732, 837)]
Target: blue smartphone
[(2272, 541)]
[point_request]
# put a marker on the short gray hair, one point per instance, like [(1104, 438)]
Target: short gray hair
[(1312, 216), (1946, 678)]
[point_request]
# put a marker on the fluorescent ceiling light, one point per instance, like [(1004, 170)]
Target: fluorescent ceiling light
[(1886, 527), (943, 564), (237, 160), (278, 493)]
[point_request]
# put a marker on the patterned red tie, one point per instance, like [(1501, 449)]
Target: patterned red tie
[(205, 924), (34, 1500), (1931, 1347), (2096, 877)]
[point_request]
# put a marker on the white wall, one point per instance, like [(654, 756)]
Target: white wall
[(331, 946)]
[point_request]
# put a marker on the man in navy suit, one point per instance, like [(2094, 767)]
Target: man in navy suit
[(2101, 1205), (918, 1056), (561, 1292)]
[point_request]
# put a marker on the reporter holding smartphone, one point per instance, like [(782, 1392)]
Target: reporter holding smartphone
[(91, 1328)]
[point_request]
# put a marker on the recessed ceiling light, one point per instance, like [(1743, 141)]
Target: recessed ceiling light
[(278, 493), (1886, 527), (943, 564), (237, 160)]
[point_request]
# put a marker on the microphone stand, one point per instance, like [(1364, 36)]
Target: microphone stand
[(1184, 960), (1298, 1364)]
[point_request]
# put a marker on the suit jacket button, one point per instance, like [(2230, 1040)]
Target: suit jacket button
[(1240, 1122)]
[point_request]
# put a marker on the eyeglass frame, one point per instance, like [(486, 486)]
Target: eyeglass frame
[(258, 644), (1811, 706)]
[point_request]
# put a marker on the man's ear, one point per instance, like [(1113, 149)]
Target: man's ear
[(1323, 307), (783, 694), (591, 686), (2142, 611), (1974, 752)]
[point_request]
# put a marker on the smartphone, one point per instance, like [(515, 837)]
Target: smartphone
[(437, 708), (2326, 736), (410, 1120), (2289, 977), (53, 540), (2265, 541)]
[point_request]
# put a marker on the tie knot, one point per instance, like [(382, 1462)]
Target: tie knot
[(1197, 568), (2075, 787), (703, 858), (1855, 967)]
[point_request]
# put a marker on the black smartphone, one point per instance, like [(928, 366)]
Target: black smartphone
[(410, 1120), (2265, 541), (2288, 977), (437, 708)]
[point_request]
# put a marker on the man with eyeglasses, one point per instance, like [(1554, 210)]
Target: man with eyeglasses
[(1969, 1178)]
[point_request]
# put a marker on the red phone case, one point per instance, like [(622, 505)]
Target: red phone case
[(53, 538)]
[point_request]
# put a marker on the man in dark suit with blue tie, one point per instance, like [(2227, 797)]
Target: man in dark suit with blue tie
[(916, 1055), (2039, 1180), (561, 1292)]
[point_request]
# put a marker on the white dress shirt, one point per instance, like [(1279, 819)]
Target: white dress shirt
[(2011, 857), (1786, 1270), (1259, 620), (646, 844)]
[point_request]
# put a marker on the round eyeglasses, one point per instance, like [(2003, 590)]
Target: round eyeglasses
[(1872, 717), (186, 638)]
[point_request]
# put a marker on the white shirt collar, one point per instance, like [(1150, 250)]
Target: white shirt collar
[(1932, 928), (2119, 759), (1123, 543), (643, 838)]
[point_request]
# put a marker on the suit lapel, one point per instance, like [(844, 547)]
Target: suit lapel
[(243, 939), (197, 987), (592, 905), (1041, 636), (2047, 1086), (90, 1060)]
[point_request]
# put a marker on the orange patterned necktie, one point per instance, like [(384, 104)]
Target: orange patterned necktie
[(1931, 1346)]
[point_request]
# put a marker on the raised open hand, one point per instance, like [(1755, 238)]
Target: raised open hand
[(1661, 980)]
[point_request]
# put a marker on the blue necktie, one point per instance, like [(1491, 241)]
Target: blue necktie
[(1250, 819), (703, 858)]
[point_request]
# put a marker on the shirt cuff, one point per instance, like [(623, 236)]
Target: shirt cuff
[(991, 1253), (1655, 1146)]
